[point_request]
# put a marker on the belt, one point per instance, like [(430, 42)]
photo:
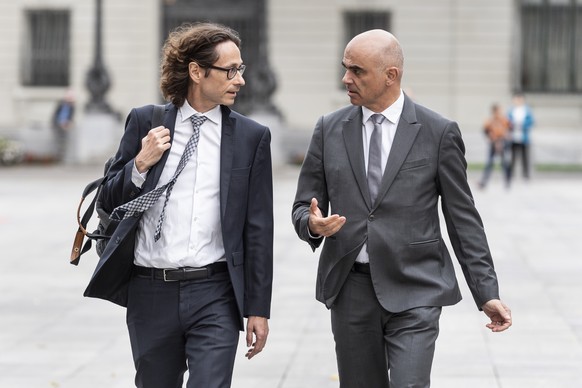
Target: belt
[(361, 267), (185, 273)]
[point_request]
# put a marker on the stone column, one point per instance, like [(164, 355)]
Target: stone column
[(263, 85), (98, 133)]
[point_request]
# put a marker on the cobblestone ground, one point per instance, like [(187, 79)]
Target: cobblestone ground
[(50, 336)]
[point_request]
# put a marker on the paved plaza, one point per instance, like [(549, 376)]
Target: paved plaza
[(53, 337)]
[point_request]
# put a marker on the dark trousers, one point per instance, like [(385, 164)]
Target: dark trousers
[(183, 325), (496, 149), (522, 150), (500, 149), (377, 348), (61, 143)]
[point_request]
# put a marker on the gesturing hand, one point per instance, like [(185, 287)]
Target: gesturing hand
[(153, 145), (323, 226)]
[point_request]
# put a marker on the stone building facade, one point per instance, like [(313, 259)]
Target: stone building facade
[(460, 56)]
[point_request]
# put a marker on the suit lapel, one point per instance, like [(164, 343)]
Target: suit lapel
[(353, 139), (406, 133), (226, 155)]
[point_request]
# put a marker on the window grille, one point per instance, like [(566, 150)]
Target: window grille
[(356, 22), (46, 48), (551, 46)]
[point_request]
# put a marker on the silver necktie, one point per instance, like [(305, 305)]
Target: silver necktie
[(375, 157)]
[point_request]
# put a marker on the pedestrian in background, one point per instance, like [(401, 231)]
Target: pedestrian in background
[(193, 252), (62, 123), (496, 128), (381, 165), (521, 122)]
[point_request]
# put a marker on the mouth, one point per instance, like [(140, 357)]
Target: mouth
[(352, 93)]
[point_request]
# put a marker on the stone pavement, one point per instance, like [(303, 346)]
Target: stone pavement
[(52, 337)]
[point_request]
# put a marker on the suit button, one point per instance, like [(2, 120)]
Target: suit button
[(132, 194), (371, 217)]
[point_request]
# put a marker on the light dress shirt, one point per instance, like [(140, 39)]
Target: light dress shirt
[(191, 233), (389, 125)]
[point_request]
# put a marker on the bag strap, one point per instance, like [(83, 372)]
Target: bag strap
[(158, 115), (77, 251)]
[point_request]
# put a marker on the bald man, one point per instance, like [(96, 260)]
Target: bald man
[(381, 164)]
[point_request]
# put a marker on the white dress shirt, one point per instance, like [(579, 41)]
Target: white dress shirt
[(191, 233), (389, 125)]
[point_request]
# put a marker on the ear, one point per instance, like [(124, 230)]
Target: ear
[(195, 72), (391, 75)]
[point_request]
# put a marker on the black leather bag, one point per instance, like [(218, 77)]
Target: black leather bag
[(105, 226)]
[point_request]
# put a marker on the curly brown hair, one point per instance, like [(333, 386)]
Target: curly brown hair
[(190, 43)]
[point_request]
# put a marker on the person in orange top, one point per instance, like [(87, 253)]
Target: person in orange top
[(496, 129)]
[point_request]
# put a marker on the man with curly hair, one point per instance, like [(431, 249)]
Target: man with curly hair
[(193, 253)]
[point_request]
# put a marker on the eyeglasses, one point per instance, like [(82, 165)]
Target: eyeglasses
[(231, 71)]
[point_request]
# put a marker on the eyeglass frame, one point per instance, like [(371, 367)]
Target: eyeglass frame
[(241, 69)]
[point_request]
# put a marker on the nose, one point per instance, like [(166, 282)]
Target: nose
[(239, 79), (346, 79)]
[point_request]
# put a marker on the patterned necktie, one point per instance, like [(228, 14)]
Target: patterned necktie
[(375, 157), (144, 202)]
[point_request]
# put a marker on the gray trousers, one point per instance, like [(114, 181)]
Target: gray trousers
[(184, 325), (379, 349)]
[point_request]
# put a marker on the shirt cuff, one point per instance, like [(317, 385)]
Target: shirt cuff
[(138, 178)]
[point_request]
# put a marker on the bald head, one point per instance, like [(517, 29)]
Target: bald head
[(381, 45), (374, 64)]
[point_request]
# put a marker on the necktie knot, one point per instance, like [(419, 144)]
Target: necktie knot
[(377, 118), (197, 120)]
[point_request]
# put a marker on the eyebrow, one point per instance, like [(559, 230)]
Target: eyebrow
[(352, 67)]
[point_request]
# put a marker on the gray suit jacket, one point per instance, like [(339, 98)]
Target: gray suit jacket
[(410, 264)]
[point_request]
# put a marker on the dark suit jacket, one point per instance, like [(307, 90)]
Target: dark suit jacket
[(246, 202), (410, 264)]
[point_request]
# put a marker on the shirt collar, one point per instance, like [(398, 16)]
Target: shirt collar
[(392, 113), (186, 111)]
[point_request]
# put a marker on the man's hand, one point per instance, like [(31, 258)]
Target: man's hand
[(323, 226), (499, 314), (153, 145), (257, 327)]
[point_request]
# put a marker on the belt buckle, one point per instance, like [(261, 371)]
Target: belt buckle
[(166, 275)]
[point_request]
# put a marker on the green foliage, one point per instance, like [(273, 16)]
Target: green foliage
[(10, 152)]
